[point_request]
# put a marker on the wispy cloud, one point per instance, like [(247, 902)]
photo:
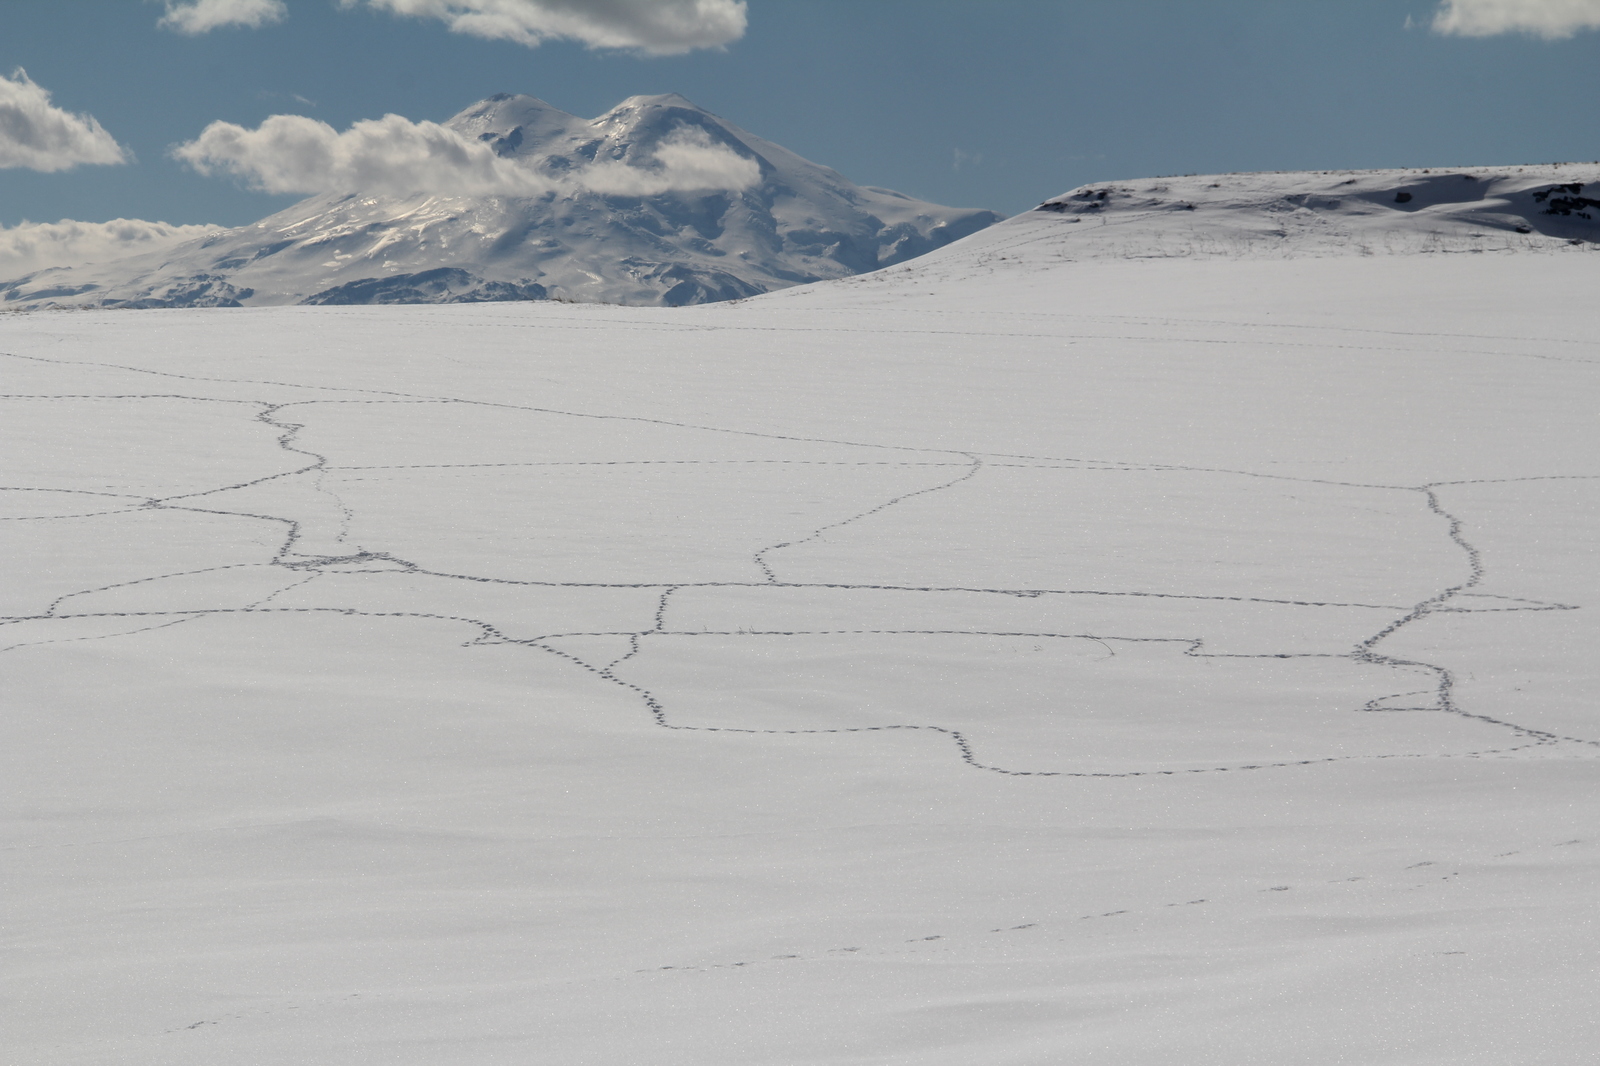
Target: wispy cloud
[(686, 160), (202, 16), (33, 246), (659, 27), (1550, 19), (37, 135), (273, 94), (395, 156)]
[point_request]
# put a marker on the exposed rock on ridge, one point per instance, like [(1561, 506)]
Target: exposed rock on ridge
[(1334, 212)]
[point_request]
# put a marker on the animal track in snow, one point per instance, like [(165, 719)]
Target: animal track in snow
[(289, 419)]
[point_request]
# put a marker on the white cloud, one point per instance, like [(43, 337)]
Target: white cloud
[(36, 134), (1550, 19), (687, 161), (660, 27), (391, 155), (397, 157), (203, 16), (33, 246)]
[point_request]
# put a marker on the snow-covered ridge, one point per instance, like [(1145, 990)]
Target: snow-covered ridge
[(1353, 211), (655, 202), (1295, 214)]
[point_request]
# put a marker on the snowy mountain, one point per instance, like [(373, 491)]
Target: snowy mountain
[(607, 219)]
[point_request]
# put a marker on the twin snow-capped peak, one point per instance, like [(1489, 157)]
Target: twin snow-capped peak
[(655, 202)]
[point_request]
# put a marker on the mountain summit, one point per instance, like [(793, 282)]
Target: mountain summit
[(655, 202)]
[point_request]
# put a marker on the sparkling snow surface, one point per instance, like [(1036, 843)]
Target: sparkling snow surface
[(995, 660)]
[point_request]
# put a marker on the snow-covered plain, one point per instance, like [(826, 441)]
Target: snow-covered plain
[(998, 659)]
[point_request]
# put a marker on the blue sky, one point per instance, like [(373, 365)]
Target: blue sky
[(981, 103)]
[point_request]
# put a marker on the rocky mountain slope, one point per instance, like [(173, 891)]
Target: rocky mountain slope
[(607, 218)]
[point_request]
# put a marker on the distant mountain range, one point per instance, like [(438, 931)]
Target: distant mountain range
[(607, 219), (613, 238)]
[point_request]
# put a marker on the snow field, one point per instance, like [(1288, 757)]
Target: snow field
[(1136, 662)]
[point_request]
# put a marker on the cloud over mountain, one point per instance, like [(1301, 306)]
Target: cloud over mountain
[(396, 156), (37, 135), (203, 16), (1550, 19), (389, 155), (659, 27), (32, 246), (686, 161)]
